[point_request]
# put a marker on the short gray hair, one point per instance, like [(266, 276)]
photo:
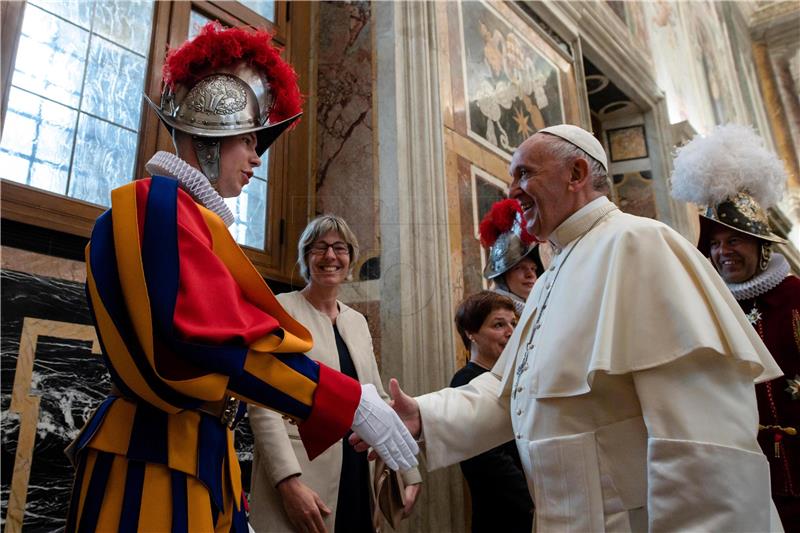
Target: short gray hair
[(566, 151), (316, 229)]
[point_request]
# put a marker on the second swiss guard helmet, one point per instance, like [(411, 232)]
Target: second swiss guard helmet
[(502, 232)]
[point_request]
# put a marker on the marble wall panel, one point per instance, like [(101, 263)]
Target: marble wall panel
[(472, 277), (346, 184), (372, 312), (65, 379), (43, 264), (52, 378), (456, 67)]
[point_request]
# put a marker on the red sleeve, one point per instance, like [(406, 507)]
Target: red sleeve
[(335, 402), (210, 306)]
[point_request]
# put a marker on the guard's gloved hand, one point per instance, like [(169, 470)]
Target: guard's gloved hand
[(380, 427)]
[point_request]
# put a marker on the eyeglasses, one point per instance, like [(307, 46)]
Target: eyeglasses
[(321, 248)]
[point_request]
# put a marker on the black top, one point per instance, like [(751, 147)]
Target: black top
[(500, 497), (352, 511)]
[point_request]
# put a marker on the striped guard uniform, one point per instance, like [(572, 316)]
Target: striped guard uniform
[(184, 320)]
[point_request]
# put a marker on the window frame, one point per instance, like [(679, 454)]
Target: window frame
[(53, 211)]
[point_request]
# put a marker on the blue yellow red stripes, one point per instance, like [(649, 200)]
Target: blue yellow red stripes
[(139, 305), (112, 319), (132, 501), (115, 488), (183, 318)]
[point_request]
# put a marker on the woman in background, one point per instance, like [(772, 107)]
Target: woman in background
[(500, 497), (288, 492)]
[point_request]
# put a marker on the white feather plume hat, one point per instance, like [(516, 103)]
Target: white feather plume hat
[(734, 176)]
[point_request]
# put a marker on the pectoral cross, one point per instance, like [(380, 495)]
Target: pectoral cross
[(521, 367)]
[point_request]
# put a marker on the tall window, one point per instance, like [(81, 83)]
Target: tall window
[(265, 8), (75, 100), (76, 125)]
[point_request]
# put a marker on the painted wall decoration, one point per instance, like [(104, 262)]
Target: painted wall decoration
[(669, 51), (512, 89), (637, 25), (712, 51), (695, 62), (635, 193), (627, 143)]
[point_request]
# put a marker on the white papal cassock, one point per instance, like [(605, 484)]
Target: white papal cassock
[(635, 407)]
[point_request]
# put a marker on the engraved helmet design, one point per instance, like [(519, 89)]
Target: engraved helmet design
[(227, 82), (740, 212), (503, 234), (731, 173)]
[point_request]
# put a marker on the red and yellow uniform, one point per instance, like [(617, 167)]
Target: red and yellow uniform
[(185, 321)]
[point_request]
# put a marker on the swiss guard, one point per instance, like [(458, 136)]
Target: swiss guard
[(189, 329), (732, 173), (513, 263)]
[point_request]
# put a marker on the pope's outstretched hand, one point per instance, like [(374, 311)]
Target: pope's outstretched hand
[(406, 408), (380, 427)]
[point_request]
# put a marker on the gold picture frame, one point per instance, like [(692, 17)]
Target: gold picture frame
[(627, 143)]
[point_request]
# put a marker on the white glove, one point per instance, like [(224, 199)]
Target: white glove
[(379, 426)]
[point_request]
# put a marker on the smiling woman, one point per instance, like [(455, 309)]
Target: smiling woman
[(323, 235), (334, 493), (500, 498)]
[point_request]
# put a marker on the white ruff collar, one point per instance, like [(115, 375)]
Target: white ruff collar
[(192, 181), (777, 269), (519, 303)]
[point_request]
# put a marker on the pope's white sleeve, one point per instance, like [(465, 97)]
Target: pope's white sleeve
[(705, 469), (459, 423)]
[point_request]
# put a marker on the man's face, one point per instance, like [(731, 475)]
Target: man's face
[(237, 159), (541, 184), (734, 254), (521, 277)]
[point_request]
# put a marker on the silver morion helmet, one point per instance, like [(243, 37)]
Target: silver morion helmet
[(216, 89), (502, 232)]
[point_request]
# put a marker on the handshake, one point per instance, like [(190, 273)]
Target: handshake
[(389, 432)]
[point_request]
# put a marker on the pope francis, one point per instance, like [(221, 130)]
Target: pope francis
[(628, 383)]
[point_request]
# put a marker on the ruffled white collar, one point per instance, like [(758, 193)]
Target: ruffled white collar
[(777, 270), (192, 181), (519, 303)]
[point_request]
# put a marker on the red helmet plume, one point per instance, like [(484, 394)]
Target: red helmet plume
[(216, 47), (500, 219)]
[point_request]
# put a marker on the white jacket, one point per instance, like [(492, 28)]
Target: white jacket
[(635, 409), (278, 452)]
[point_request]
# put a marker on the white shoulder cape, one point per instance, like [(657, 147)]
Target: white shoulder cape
[(633, 295)]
